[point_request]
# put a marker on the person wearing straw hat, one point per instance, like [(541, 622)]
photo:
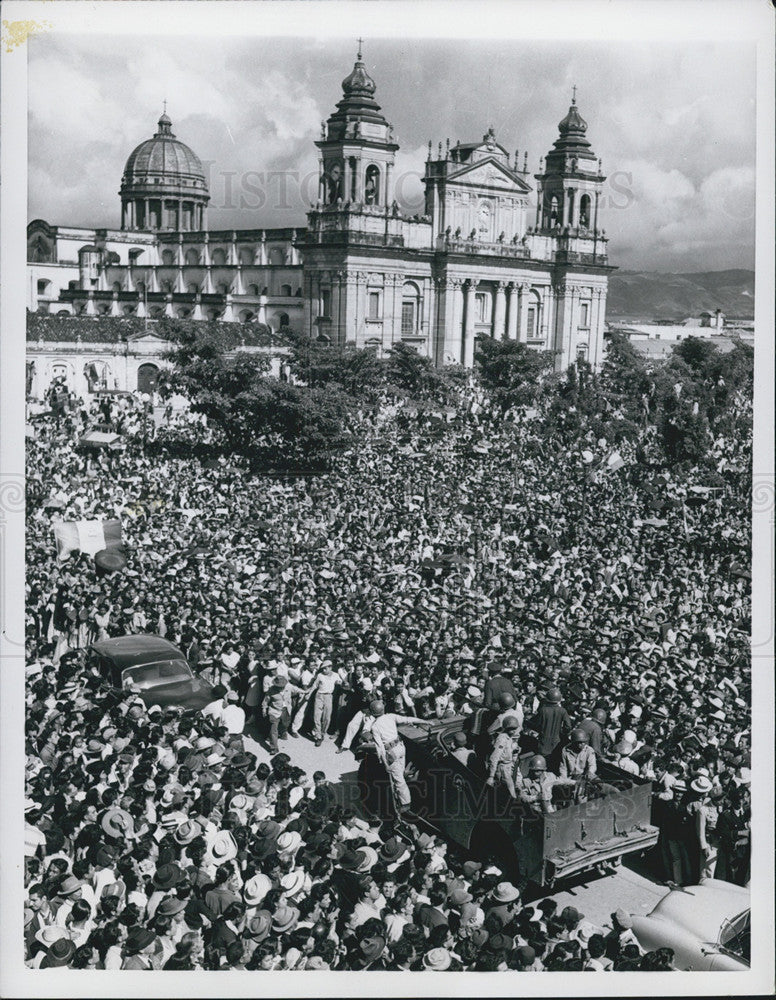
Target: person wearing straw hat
[(704, 814)]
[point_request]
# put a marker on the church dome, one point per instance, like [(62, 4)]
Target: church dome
[(164, 184), (358, 108), (358, 81), (166, 161), (571, 150)]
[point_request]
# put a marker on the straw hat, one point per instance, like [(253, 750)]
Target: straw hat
[(222, 847), (437, 960), (256, 888)]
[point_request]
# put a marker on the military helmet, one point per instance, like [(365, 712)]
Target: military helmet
[(506, 700), (510, 723), (579, 736), (537, 763)]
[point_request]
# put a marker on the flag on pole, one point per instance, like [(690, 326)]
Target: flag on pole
[(86, 536), (615, 461)]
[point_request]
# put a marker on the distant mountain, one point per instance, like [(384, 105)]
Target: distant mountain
[(646, 295)]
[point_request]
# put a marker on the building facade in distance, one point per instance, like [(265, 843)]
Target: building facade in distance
[(487, 258)]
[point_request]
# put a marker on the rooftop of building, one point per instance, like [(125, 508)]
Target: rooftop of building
[(116, 330)]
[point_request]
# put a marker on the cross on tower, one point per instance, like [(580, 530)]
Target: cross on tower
[(574, 94), (165, 105), (360, 43)]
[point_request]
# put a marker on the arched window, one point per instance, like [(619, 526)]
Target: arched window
[(96, 374), (43, 286), (247, 316), (584, 211), (192, 256), (286, 290), (218, 257), (372, 185), (247, 255), (147, 377), (168, 257), (277, 256), (581, 352), (223, 288), (184, 312), (116, 286), (128, 310), (62, 371), (253, 290), (554, 213), (167, 286), (533, 324), (281, 320), (192, 288), (141, 288), (410, 309)]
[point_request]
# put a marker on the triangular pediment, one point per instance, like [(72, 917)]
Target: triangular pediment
[(149, 339), (489, 173)]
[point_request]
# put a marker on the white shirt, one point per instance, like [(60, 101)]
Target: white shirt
[(384, 730), (233, 717), (325, 683)]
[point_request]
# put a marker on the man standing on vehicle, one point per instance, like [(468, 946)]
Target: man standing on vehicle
[(390, 748), (536, 789), (505, 754), (551, 722), (577, 764)]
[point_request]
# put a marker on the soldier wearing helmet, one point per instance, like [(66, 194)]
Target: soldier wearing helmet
[(536, 788), (508, 708), (577, 760), (502, 764), (593, 725)]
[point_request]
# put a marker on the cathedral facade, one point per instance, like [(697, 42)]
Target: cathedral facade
[(492, 255)]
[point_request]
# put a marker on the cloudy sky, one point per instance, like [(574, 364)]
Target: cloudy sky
[(674, 125)]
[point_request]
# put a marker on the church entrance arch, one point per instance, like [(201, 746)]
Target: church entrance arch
[(147, 378)]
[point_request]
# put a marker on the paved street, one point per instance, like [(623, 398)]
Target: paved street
[(595, 896)]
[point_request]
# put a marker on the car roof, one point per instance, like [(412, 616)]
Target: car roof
[(133, 650), (701, 909)]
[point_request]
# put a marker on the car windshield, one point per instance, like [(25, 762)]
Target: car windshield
[(734, 935), (147, 675)]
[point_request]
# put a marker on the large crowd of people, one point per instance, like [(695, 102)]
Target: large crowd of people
[(451, 564)]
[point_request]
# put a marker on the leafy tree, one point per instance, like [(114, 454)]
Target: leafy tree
[(271, 423), (413, 375), (512, 372), (697, 353)]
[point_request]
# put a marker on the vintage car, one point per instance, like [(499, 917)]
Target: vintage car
[(158, 668), (454, 799), (706, 925)]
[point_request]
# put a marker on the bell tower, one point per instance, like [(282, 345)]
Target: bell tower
[(571, 182), (357, 147)]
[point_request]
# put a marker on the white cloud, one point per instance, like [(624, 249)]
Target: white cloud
[(674, 126)]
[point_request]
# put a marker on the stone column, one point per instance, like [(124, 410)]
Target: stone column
[(595, 353), (511, 333), (398, 289), (468, 334), (539, 197), (386, 194), (501, 303), (525, 300)]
